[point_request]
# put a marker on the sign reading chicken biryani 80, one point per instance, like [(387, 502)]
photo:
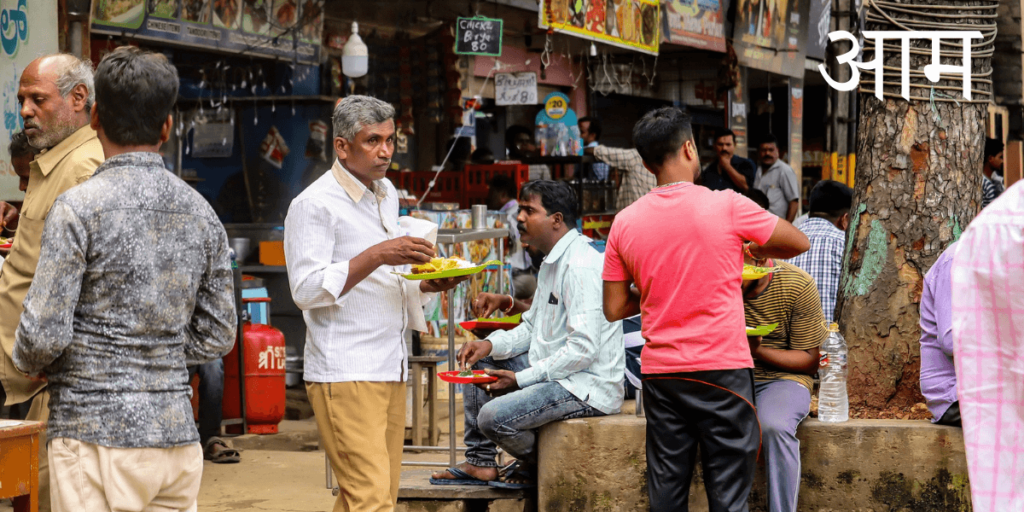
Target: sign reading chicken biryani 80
[(478, 36)]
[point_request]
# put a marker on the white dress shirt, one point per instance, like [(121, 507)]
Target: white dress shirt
[(568, 339), (358, 336)]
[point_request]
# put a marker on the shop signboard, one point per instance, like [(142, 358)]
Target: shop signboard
[(817, 36), (515, 89), (478, 36), (270, 28), (26, 33), (770, 35), (694, 23), (629, 24)]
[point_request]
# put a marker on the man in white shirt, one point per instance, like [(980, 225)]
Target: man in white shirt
[(565, 360), (342, 243), (777, 180)]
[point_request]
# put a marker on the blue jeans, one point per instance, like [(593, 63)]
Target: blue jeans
[(211, 398), (511, 421), (781, 406)]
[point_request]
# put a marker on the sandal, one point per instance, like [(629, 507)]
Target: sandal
[(461, 478), (225, 455), (515, 471)]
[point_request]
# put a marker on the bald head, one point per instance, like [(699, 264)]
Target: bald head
[(56, 94)]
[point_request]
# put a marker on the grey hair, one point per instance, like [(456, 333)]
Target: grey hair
[(75, 71), (354, 112)]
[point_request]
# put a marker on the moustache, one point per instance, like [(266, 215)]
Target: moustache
[(521, 227)]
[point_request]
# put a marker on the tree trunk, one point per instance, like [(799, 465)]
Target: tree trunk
[(914, 194), (917, 186)]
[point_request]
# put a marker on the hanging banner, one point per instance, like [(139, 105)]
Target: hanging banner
[(817, 36), (270, 28), (629, 24), (770, 34), (27, 34), (696, 23)]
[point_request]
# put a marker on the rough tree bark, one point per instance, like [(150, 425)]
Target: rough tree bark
[(917, 186)]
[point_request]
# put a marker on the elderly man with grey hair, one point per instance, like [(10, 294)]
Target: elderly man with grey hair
[(342, 244), (56, 94)]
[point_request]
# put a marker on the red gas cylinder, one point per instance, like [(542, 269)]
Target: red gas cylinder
[(264, 379)]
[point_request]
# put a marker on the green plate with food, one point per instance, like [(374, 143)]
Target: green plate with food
[(761, 330), (442, 268), (751, 273)]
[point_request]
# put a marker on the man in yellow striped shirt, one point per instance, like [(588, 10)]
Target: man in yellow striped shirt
[(784, 361)]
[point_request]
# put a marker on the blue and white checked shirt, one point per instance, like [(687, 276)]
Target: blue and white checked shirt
[(824, 260), (565, 332)]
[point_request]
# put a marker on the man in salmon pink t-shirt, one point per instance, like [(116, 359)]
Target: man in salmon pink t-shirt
[(676, 257)]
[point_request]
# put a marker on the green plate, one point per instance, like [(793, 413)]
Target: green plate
[(751, 273), (455, 272), (761, 330), (514, 319)]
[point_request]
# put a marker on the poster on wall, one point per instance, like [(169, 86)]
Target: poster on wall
[(271, 28), (769, 35), (629, 24), (696, 23), (27, 34), (817, 36)]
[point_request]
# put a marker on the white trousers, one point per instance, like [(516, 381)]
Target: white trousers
[(85, 476)]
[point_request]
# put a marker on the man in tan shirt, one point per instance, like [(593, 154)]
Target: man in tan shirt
[(56, 96)]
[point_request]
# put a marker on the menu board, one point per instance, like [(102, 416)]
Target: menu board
[(771, 35), (272, 28), (629, 24), (696, 23), (478, 36)]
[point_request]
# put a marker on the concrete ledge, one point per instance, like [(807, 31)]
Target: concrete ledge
[(599, 464)]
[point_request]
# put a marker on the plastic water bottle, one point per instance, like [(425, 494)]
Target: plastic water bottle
[(833, 402)]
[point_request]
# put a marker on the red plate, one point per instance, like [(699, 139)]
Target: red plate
[(453, 377), (6, 246), (483, 324)]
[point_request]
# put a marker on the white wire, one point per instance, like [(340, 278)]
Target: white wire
[(440, 168)]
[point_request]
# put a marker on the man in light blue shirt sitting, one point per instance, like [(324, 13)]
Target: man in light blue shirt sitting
[(565, 360)]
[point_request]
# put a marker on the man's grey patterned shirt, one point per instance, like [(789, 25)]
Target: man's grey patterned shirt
[(134, 283)]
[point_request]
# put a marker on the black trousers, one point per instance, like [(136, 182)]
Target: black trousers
[(710, 409), (952, 416)]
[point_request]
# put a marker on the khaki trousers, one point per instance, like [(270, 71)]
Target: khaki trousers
[(362, 428), (100, 479)]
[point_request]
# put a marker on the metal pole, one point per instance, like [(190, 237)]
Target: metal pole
[(501, 268), (451, 366)]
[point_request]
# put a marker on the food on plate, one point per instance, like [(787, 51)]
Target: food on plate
[(6, 241), (466, 373), (648, 25), (750, 272), (440, 265)]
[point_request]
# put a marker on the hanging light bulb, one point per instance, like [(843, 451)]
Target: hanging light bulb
[(355, 56), (593, 50)]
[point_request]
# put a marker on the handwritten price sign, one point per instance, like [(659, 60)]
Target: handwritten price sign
[(478, 36), (515, 89)]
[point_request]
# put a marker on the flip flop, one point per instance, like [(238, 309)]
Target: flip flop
[(227, 455), (461, 478), (517, 471)]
